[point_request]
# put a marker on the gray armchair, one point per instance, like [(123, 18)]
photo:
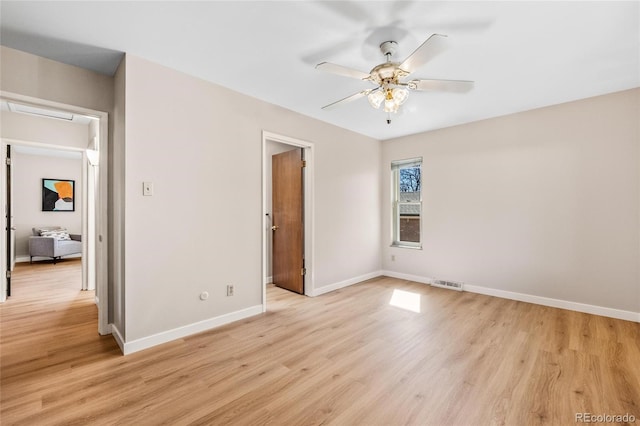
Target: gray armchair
[(52, 247)]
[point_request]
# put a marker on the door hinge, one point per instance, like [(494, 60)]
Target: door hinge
[(304, 163), (8, 274), (303, 271), (8, 161)]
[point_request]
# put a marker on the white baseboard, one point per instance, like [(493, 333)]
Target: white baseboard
[(408, 277), (177, 333), (332, 287), (187, 330), (107, 330), (268, 280), (556, 303), (537, 300), (23, 259), (118, 336)]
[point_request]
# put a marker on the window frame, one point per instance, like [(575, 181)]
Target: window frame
[(396, 166)]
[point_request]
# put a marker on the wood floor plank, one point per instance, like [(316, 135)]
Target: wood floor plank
[(344, 358)]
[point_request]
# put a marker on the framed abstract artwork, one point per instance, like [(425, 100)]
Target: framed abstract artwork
[(58, 195)]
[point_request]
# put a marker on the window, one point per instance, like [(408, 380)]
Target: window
[(406, 202)]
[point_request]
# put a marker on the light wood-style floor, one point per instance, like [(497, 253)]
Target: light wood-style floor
[(344, 358)]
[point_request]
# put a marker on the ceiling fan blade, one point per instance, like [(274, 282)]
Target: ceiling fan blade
[(340, 70), (434, 45), (350, 98), (459, 86)]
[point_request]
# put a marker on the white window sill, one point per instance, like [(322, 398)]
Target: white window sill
[(400, 245)]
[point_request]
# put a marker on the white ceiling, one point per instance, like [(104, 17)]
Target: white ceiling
[(522, 55)]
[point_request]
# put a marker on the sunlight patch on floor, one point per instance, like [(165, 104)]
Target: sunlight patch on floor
[(405, 300)]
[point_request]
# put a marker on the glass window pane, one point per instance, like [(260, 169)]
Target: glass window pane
[(410, 229), (407, 186), (410, 180), (409, 222)]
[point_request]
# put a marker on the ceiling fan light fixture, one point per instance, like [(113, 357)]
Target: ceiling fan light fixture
[(390, 106), (393, 98), (400, 95), (376, 98)]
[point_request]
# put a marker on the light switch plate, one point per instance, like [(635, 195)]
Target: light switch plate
[(147, 188)]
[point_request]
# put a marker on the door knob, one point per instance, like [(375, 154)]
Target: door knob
[(274, 227)]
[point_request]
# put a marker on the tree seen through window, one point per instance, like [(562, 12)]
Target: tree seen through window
[(410, 179)]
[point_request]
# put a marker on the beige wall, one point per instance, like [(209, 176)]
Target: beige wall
[(28, 171), (43, 130), (544, 202), (201, 146), (31, 75)]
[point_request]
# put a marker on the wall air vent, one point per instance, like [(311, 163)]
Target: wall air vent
[(452, 285), (41, 112)]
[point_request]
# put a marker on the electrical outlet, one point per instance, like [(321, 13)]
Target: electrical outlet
[(230, 289)]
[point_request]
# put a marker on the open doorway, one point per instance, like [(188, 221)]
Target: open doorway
[(278, 145), (39, 136)]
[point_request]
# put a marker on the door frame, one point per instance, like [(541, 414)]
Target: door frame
[(308, 173), (9, 230), (100, 237)]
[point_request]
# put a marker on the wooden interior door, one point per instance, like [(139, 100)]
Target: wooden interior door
[(288, 227)]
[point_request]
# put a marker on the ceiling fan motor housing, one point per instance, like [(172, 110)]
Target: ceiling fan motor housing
[(387, 73), (389, 48)]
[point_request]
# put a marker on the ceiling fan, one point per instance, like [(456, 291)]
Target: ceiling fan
[(392, 91)]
